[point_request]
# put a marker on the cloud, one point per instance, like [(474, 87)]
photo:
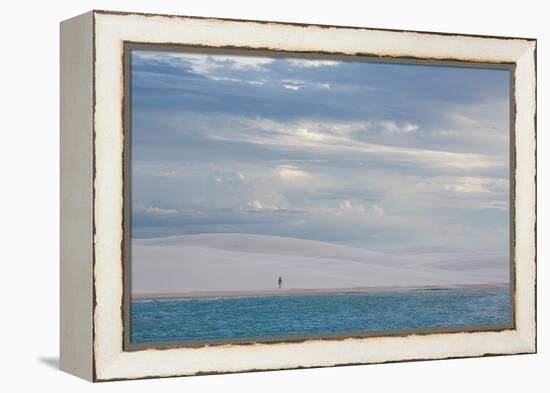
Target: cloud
[(312, 160), (244, 62), (466, 188), (223, 146), (497, 205), (196, 219), (465, 185), (161, 171), (227, 176), (152, 210), (307, 134), (205, 63), (305, 63), (197, 63), (296, 84), (340, 137), (256, 204), (292, 87), (213, 67), (379, 211), (289, 172), (345, 204), (462, 120), (224, 78), (393, 127)]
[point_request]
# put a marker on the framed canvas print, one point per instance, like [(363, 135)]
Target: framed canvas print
[(245, 195)]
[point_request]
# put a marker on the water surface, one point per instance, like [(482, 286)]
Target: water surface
[(160, 320)]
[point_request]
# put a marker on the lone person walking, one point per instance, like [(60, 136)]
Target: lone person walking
[(280, 281)]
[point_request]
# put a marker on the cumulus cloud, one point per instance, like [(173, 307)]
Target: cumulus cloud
[(292, 87), (256, 204), (379, 211), (289, 172), (345, 204)]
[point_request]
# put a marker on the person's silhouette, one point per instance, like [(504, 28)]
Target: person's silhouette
[(280, 281)]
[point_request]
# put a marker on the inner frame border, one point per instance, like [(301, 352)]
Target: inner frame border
[(129, 46)]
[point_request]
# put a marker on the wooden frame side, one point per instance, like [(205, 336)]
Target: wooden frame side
[(76, 196)]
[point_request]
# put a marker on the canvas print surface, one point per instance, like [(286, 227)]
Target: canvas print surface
[(275, 197)]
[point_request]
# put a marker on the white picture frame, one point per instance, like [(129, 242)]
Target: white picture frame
[(92, 194)]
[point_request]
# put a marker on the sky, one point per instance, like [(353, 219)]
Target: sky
[(371, 155)]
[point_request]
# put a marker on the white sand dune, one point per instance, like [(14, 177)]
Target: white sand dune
[(242, 262)]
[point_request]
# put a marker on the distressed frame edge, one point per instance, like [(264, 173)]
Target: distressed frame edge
[(303, 24), (528, 339), (525, 179)]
